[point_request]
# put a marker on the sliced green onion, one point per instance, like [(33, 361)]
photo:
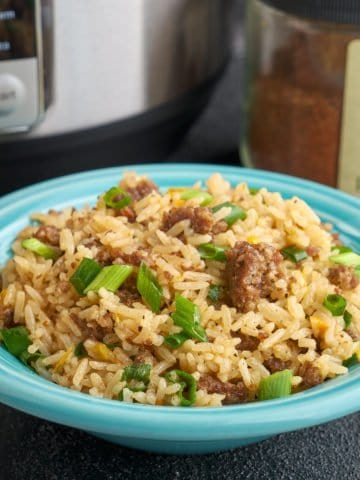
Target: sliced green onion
[(149, 288), (137, 371), (236, 213), (350, 362), (187, 392), (40, 248), (294, 254), (176, 340), (116, 197), (335, 303), (341, 249), (204, 197), (137, 377), (29, 359), (347, 319), (85, 274), (110, 277), (215, 293), (276, 385), (80, 350), (254, 191), (16, 340), (209, 251), (348, 258), (187, 316)]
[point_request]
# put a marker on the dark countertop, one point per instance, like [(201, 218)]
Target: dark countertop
[(31, 448)]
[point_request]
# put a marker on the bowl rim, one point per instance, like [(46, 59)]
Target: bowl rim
[(21, 388)]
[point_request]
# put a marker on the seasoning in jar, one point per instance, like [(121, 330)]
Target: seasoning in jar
[(303, 111)]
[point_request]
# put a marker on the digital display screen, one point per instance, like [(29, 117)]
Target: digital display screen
[(17, 29)]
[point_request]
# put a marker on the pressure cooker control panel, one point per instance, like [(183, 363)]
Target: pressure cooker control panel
[(21, 66)]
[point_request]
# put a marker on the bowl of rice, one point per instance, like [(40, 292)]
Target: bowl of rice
[(180, 308)]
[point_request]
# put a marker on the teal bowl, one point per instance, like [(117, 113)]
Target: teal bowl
[(172, 429)]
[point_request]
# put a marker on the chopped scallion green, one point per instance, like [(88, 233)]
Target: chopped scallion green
[(236, 213), (187, 392), (215, 293), (137, 371), (149, 288), (40, 248), (117, 198), (347, 319), (276, 385), (187, 316), (204, 197), (29, 359), (341, 249), (254, 191), (209, 251), (350, 362), (294, 254), (348, 259), (335, 303), (176, 340), (80, 350), (16, 340), (110, 277), (85, 274)]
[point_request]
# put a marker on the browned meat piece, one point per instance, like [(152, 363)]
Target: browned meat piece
[(251, 271), (127, 212), (220, 227), (311, 375), (276, 365), (312, 251), (134, 258), (104, 257), (247, 342), (234, 392), (48, 234), (343, 277), (201, 219), (336, 239), (92, 329), (128, 295), (144, 355), (142, 189), (7, 317)]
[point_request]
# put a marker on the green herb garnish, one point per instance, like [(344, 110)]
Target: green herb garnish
[(85, 274), (110, 277), (236, 213), (187, 392), (350, 362), (215, 293), (149, 288), (209, 251), (117, 198), (187, 316), (80, 350), (335, 303), (40, 248), (176, 340), (347, 319), (276, 385), (294, 254), (204, 197)]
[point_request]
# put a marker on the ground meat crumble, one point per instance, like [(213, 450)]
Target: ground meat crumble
[(251, 272)]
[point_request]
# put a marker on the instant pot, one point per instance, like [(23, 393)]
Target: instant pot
[(94, 83)]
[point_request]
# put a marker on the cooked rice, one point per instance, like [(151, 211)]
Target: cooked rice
[(293, 326)]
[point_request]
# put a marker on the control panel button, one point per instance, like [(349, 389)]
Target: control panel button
[(12, 93)]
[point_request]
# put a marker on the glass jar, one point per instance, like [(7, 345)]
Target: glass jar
[(302, 114)]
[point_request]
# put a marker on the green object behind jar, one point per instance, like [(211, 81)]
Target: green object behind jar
[(303, 102)]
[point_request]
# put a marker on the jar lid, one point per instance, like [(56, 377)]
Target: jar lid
[(338, 11)]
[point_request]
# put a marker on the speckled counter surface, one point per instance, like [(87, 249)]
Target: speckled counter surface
[(32, 449)]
